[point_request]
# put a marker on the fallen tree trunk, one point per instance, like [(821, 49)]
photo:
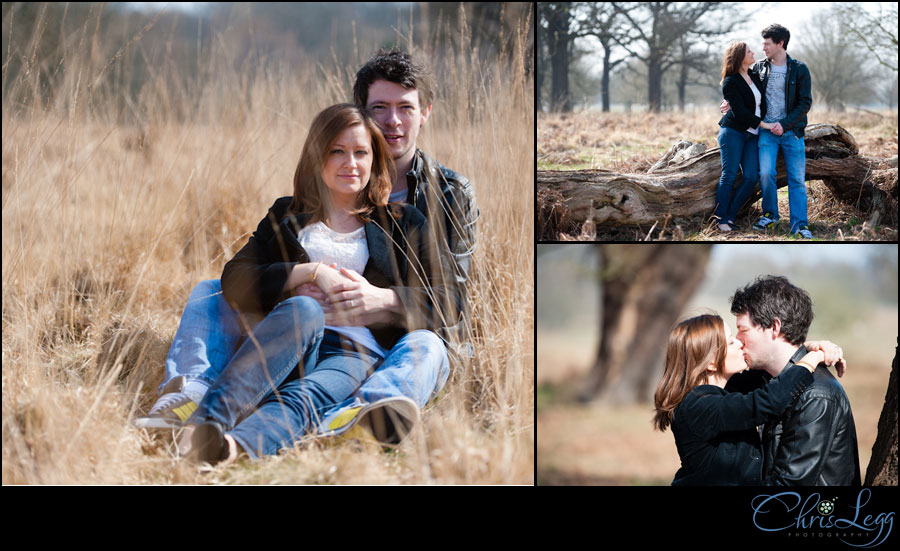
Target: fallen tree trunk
[(687, 187)]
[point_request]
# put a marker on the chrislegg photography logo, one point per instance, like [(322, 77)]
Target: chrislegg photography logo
[(823, 515)]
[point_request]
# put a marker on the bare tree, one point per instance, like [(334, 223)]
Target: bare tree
[(882, 469), (658, 27), (841, 71), (644, 289), (876, 31)]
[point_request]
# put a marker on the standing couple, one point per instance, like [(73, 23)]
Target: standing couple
[(806, 434), (765, 108), (339, 312)]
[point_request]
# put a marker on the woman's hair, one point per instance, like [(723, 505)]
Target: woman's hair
[(693, 344), (310, 193), (734, 57)]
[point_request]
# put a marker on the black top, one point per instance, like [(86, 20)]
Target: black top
[(401, 255), (715, 430), (743, 103)]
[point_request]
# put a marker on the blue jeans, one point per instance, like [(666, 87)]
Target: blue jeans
[(794, 150), (738, 150), (210, 332)]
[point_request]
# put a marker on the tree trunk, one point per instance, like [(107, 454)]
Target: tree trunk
[(688, 187), (558, 34), (644, 289), (882, 469)]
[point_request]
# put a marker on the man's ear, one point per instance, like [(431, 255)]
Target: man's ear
[(776, 328), (426, 112)]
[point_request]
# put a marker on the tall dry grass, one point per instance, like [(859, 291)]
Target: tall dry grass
[(113, 209)]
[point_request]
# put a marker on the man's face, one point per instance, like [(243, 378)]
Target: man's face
[(397, 112), (756, 340), (770, 48)]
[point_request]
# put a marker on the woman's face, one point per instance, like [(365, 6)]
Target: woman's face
[(348, 163), (734, 355), (749, 58)]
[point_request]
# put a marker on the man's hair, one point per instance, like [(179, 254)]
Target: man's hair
[(395, 66), (770, 297), (778, 34)]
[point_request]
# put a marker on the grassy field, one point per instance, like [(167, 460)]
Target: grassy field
[(110, 220), (632, 143)]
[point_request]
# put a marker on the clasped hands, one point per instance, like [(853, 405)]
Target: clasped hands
[(776, 129), (347, 298)]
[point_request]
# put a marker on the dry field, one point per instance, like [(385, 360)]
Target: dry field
[(108, 225), (632, 143)]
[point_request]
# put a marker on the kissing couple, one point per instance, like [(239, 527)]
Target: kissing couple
[(784, 422)]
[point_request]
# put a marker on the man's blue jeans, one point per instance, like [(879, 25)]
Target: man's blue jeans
[(210, 332), (738, 150), (794, 150)]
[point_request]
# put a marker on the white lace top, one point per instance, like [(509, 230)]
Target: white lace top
[(347, 250)]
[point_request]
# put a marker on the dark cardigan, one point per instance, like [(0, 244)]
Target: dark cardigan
[(400, 256), (715, 431), (743, 104)]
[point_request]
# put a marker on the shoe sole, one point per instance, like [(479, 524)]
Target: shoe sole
[(157, 423), (389, 421), (389, 424), (208, 443)]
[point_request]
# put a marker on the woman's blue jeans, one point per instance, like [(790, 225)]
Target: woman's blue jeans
[(739, 150)]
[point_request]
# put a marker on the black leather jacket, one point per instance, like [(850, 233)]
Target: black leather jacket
[(797, 90), (814, 442), (447, 200), (715, 430)]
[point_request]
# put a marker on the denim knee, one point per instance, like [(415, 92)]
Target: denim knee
[(303, 309), (206, 288)]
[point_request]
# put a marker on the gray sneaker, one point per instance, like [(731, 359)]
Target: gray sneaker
[(803, 231), (171, 410)]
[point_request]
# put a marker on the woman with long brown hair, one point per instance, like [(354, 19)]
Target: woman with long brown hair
[(715, 430), (338, 223), (739, 133)]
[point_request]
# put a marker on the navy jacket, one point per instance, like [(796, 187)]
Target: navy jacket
[(797, 91), (715, 430)]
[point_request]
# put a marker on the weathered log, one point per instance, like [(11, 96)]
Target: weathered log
[(688, 187), (882, 469)]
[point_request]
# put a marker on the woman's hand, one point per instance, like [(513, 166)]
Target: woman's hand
[(357, 302), (833, 355), (811, 360)]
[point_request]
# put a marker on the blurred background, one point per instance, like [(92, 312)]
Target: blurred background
[(594, 420)]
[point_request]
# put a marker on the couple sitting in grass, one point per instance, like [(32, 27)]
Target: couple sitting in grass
[(343, 311)]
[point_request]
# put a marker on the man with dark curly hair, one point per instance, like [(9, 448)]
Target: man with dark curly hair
[(814, 442)]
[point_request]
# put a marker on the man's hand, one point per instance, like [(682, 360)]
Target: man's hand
[(357, 302), (312, 291), (724, 107), (777, 129)]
